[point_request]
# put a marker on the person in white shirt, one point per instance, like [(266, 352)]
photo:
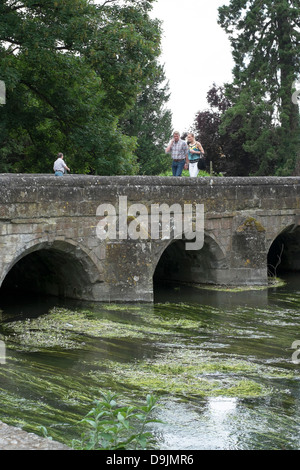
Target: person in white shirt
[(59, 166)]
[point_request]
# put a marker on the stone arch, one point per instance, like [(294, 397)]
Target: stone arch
[(205, 266), (57, 268), (284, 251)]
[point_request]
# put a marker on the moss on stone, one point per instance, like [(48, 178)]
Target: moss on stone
[(251, 223)]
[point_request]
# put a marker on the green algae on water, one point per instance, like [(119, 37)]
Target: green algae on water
[(181, 370), (273, 282), (57, 363), (61, 327), (190, 373)]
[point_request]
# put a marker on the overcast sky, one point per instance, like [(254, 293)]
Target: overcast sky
[(196, 53)]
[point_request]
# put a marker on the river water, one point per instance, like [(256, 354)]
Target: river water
[(224, 365)]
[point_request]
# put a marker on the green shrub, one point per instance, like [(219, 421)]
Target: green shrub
[(114, 427)]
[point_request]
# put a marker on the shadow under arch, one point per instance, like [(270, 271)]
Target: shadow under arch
[(204, 266), (58, 268), (284, 252)]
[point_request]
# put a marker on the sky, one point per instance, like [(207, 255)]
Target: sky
[(195, 52)]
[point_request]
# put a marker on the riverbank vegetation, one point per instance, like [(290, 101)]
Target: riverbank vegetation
[(111, 426)]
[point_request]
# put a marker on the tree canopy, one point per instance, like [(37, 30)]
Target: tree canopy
[(151, 122), (265, 45), (72, 70)]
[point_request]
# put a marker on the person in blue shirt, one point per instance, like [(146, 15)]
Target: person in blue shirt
[(195, 153)]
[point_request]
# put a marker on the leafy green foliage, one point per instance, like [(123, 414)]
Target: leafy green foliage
[(72, 69), (151, 122), (114, 427), (186, 174), (223, 149)]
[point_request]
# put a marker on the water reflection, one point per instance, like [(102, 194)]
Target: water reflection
[(206, 426), (229, 424), (173, 293)]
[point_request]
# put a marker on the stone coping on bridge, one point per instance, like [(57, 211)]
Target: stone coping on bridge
[(86, 180)]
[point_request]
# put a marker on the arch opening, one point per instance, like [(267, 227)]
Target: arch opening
[(60, 270), (284, 252), (176, 264)]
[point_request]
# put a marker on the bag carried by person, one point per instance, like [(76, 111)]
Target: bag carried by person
[(201, 162)]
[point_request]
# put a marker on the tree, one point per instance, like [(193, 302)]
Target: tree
[(151, 122), (265, 43), (72, 69), (225, 150), (206, 128)]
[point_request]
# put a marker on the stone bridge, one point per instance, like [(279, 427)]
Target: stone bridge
[(51, 242)]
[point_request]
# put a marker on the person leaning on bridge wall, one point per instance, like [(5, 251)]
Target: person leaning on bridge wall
[(60, 166), (179, 152)]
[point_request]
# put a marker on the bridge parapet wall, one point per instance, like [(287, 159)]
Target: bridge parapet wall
[(242, 217)]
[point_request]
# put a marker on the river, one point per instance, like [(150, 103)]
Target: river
[(223, 364)]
